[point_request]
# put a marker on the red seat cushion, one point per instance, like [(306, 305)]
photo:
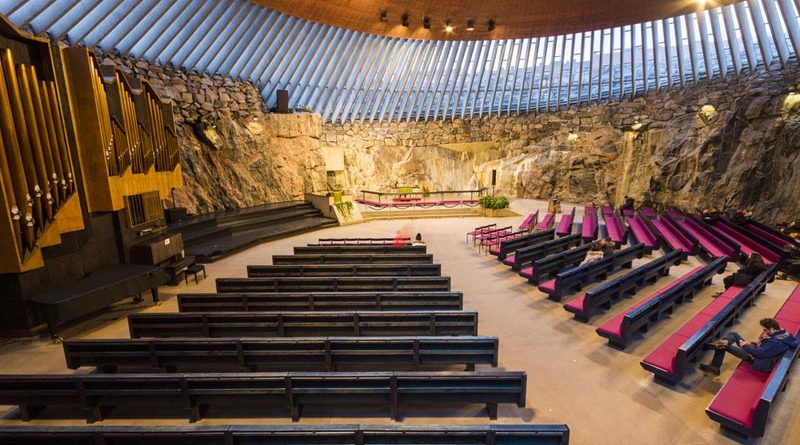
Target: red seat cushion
[(715, 307), (738, 398), (527, 272), (730, 293), (663, 356), (577, 304), (509, 261), (614, 325), (548, 286), (614, 329), (494, 251), (692, 326)]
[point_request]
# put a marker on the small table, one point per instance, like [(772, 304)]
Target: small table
[(194, 269)]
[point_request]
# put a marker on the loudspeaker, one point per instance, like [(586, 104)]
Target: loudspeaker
[(494, 177), (282, 105)]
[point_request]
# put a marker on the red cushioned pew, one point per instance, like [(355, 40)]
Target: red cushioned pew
[(547, 222), (713, 244), (643, 234), (620, 330), (565, 225), (507, 248), (748, 244), (745, 400), (605, 295), (675, 238), (670, 360)]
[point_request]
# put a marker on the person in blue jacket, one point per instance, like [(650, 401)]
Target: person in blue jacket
[(763, 354)]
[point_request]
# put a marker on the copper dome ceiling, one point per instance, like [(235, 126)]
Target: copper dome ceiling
[(513, 18)]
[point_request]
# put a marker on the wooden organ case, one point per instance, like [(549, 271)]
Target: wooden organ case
[(88, 153)]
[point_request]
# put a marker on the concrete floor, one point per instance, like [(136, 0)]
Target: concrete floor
[(603, 394)]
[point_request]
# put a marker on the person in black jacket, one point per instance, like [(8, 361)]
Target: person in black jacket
[(763, 354), (754, 266)]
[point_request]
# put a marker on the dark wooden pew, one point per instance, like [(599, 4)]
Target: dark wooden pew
[(377, 258), (333, 284), (744, 402), (346, 270), (280, 354), (605, 295), (525, 434), (321, 301), (620, 330), (358, 250), (94, 395), (507, 248), (670, 360), (550, 265), (571, 280), (525, 255), (303, 324)]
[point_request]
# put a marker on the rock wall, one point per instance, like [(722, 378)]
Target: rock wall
[(732, 142), (234, 154)]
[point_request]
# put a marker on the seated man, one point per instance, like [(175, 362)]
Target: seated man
[(763, 354), (742, 277)]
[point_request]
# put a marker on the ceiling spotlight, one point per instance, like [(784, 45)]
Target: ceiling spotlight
[(491, 25), (405, 20), (470, 25), (384, 16), (426, 22), (448, 28)]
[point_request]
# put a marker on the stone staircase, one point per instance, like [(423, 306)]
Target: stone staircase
[(214, 236)]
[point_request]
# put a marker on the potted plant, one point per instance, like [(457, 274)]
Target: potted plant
[(491, 204)]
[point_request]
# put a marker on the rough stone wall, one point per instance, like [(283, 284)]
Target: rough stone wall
[(743, 152), (233, 153)]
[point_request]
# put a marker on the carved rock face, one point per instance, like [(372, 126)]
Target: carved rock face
[(729, 143)]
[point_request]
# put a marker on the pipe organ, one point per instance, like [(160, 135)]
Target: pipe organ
[(36, 166), (88, 153)]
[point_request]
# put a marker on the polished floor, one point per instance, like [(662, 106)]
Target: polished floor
[(603, 394)]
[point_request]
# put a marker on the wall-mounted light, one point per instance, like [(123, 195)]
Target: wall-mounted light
[(426, 22), (384, 16), (636, 126), (490, 27), (791, 103), (405, 20), (470, 25), (572, 136), (448, 28)]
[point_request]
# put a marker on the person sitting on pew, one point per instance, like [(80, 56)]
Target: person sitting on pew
[(763, 353), (600, 249), (627, 203), (418, 240), (400, 239), (754, 266)]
